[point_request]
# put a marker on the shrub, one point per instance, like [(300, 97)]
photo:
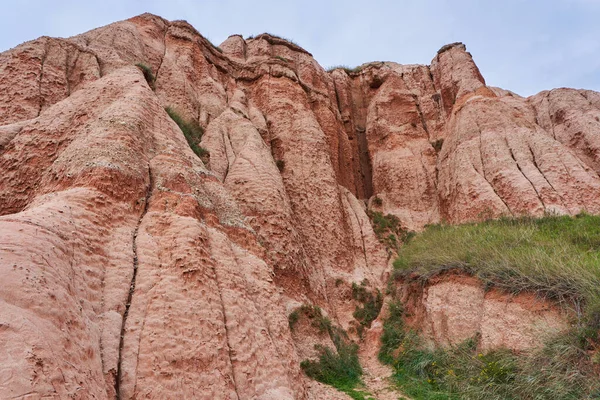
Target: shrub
[(191, 130), (341, 370), (148, 75), (377, 201), (282, 59), (314, 314), (371, 305), (388, 230)]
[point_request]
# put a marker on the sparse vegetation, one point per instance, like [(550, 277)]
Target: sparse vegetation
[(148, 75), (282, 59), (556, 257), (377, 201), (220, 50), (269, 38), (437, 145), (388, 230), (314, 314), (371, 305), (191, 130), (556, 371), (339, 368), (346, 68)]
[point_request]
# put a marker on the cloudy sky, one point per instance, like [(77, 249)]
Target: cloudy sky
[(522, 45)]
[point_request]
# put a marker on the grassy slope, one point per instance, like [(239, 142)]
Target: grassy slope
[(557, 257)]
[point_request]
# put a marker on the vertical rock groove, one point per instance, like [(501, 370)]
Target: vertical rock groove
[(119, 376)]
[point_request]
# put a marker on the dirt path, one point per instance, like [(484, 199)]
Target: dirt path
[(376, 376)]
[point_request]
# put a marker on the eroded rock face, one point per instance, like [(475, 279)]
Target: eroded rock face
[(454, 308), (134, 270)]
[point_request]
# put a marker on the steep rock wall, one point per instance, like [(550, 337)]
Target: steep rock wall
[(135, 270)]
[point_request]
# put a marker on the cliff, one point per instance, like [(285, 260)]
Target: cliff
[(135, 269)]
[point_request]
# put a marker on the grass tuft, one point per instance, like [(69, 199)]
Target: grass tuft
[(314, 314), (191, 130), (371, 305), (148, 75), (346, 68), (339, 369), (388, 230), (282, 58)]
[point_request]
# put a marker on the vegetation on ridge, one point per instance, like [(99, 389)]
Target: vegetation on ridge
[(388, 230), (555, 257), (191, 130), (148, 75)]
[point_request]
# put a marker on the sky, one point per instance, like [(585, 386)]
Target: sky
[(522, 45)]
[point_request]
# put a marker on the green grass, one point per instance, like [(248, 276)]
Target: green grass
[(339, 368), (191, 130), (148, 75), (556, 371), (371, 305), (388, 230), (346, 68), (314, 314), (556, 257)]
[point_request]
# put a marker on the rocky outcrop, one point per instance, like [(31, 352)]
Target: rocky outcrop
[(133, 269), (452, 308)]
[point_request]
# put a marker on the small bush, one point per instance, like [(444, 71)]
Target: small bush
[(388, 230), (371, 305), (282, 59), (314, 314), (341, 370), (191, 130), (377, 201), (293, 319), (148, 75)]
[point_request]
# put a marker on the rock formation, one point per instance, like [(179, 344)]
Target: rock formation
[(132, 269)]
